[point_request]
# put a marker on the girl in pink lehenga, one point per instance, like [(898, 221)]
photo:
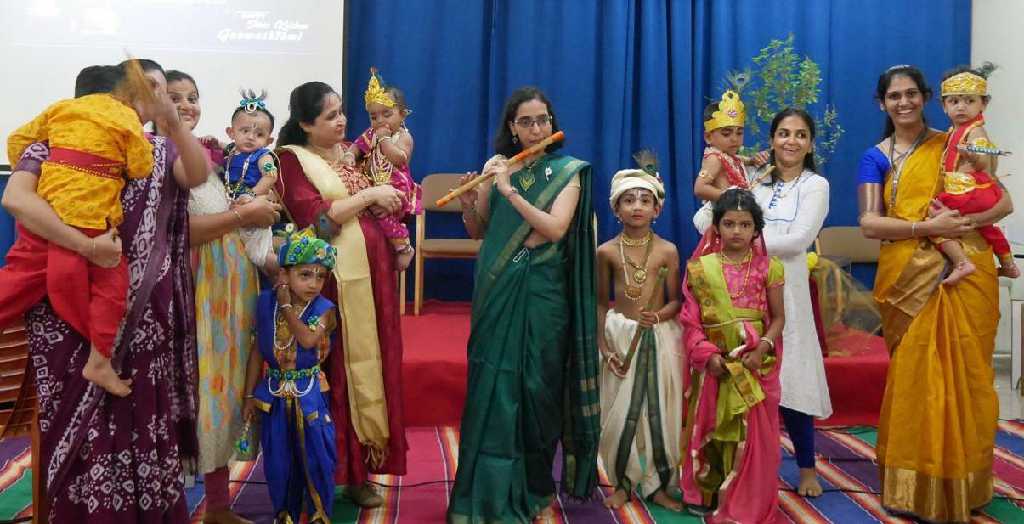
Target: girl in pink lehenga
[(733, 318)]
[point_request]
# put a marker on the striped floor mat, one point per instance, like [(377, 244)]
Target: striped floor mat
[(845, 466)]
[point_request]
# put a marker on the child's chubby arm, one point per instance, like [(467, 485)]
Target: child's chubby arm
[(706, 186), (702, 355), (979, 162), (776, 306), (604, 274), (305, 335), (758, 159), (26, 135), (397, 147), (268, 172), (253, 372), (667, 253)]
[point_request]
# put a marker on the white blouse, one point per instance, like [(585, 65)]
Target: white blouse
[(794, 212)]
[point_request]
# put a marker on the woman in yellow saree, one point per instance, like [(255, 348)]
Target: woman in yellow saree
[(939, 413)]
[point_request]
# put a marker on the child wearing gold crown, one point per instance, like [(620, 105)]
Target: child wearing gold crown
[(387, 148), (722, 167), (969, 166), (96, 144), (250, 170), (294, 324), (642, 394)]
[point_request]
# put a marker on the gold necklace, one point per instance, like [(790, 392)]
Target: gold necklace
[(326, 154), (747, 259), (526, 176), (636, 242), (639, 274)]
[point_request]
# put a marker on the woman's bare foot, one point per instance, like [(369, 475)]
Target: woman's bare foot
[(1009, 269), (545, 514), (99, 371), (617, 500), (662, 499), (960, 270), (809, 485)]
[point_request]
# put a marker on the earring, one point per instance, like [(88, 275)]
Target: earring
[(515, 139)]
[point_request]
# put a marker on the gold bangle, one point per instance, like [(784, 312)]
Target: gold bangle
[(238, 216), (913, 230)]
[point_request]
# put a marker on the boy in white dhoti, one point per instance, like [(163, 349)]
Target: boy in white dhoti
[(642, 389)]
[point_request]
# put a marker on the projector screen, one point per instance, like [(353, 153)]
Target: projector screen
[(224, 44)]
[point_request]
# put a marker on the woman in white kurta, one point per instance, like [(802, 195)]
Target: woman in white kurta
[(795, 202)]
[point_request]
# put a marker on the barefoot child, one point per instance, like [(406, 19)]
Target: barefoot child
[(386, 147), (250, 170), (641, 400), (970, 183), (732, 319), (294, 324), (722, 166), (96, 141)]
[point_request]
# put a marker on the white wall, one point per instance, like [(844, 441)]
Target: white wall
[(996, 37), (225, 44)]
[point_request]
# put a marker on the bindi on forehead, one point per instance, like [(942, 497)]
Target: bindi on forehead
[(249, 121)]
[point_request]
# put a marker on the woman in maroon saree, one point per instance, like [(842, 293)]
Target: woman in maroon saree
[(318, 187), (110, 459)]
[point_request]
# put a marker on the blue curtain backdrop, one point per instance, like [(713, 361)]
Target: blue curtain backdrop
[(625, 75)]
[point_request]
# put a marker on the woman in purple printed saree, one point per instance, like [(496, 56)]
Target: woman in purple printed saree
[(109, 459)]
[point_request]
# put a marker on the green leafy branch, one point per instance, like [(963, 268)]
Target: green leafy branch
[(780, 78)]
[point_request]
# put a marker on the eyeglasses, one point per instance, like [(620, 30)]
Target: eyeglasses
[(528, 122)]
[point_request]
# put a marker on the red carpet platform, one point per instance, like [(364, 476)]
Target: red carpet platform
[(434, 371)]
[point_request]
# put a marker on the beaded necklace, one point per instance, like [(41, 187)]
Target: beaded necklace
[(780, 191)]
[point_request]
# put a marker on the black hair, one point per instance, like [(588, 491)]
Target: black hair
[(249, 94), (97, 79), (146, 64), (503, 144), (709, 111), (398, 96), (809, 163), (983, 71), (885, 79), (241, 109), (173, 75), (304, 105), (737, 199)]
